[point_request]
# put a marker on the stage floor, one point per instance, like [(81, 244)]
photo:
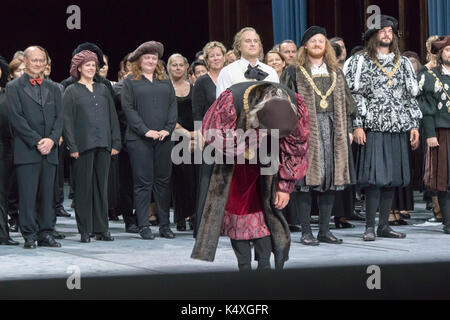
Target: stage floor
[(130, 255)]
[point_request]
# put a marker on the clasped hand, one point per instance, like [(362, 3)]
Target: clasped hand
[(157, 135)]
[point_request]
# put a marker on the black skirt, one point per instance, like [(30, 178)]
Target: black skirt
[(384, 160)]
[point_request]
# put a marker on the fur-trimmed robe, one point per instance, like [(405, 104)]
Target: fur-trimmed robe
[(216, 179)]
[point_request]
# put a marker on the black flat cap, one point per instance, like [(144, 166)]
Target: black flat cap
[(440, 43), (311, 32), (385, 21)]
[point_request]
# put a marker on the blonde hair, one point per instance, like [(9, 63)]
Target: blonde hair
[(329, 57), (174, 56), (211, 45), (238, 39), (136, 70)]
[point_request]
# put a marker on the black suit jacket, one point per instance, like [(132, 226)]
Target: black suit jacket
[(32, 120)]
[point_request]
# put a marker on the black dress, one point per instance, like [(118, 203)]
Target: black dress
[(203, 96), (184, 178)]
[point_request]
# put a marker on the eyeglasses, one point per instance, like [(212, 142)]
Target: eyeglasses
[(36, 61)]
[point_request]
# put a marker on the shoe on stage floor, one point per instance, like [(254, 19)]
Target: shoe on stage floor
[(8, 242), (387, 232), (329, 238), (369, 235), (49, 241)]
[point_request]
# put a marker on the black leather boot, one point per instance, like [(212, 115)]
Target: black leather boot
[(328, 238), (369, 235), (387, 232), (308, 239)]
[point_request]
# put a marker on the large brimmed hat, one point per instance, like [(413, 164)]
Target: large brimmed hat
[(278, 113), (385, 21), (79, 59), (440, 43), (154, 47)]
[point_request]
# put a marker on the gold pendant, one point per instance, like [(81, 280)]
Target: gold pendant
[(249, 154), (324, 104), (390, 83)]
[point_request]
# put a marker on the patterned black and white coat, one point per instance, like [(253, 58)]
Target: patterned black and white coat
[(381, 107)]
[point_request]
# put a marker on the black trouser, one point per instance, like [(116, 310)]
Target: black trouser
[(36, 205), (243, 251), (444, 199), (91, 190), (344, 203), (13, 196), (152, 168), (381, 198), (290, 212), (59, 182), (304, 202), (126, 188), (6, 165)]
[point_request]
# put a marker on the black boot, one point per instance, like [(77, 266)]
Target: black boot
[(387, 232), (326, 201), (308, 239), (328, 238)]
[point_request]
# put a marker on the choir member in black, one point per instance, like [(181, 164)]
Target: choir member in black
[(204, 93), (36, 133), (184, 181), (150, 106), (91, 131), (6, 161)]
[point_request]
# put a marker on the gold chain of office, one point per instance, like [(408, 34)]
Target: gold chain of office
[(323, 102), (391, 74)]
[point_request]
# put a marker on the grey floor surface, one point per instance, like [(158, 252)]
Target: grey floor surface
[(129, 255)]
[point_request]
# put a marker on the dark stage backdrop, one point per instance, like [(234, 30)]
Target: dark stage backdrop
[(117, 27)]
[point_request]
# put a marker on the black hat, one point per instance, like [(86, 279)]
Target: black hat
[(147, 47), (385, 21), (278, 113), (311, 32), (91, 47), (5, 72), (440, 43)]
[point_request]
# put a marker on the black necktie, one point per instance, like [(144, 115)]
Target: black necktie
[(255, 73)]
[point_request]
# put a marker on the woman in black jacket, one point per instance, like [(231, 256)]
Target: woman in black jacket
[(150, 106), (92, 135)]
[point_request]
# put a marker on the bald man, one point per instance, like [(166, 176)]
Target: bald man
[(36, 114)]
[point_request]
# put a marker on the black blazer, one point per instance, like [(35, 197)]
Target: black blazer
[(32, 121)]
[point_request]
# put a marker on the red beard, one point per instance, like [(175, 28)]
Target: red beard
[(316, 55)]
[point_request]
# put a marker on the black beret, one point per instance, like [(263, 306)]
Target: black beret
[(91, 47), (5, 72), (147, 47), (385, 21), (278, 113), (440, 43), (311, 32)]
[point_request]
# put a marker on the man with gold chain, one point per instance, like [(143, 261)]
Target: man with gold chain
[(434, 102), (317, 77), (385, 89)]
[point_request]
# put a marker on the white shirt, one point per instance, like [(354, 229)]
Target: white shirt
[(445, 71), (234, 73), (315, 70)]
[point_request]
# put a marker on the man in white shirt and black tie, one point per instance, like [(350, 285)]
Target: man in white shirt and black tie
[(247, 47)]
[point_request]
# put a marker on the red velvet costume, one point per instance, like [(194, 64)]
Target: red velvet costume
[(244, 219)]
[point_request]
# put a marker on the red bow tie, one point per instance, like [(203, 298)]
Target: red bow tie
[(36, 81)]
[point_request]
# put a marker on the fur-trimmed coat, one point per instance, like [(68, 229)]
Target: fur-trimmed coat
[(216, 179)]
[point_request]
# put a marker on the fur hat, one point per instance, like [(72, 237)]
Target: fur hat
[(278, 113), (5, 72), (440, 43), (385, 21), (79, 59), (91, 47), (147, 47), (311, 32)]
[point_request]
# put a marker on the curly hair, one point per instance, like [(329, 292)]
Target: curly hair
[(329, 57)]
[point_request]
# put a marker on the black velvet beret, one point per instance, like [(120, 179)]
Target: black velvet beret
[(147, 47), (385, 21), (311, 32), (91, 47)]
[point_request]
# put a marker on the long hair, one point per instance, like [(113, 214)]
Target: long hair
[(439, 61), (373, 44), (160, 72), (329, 57)]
